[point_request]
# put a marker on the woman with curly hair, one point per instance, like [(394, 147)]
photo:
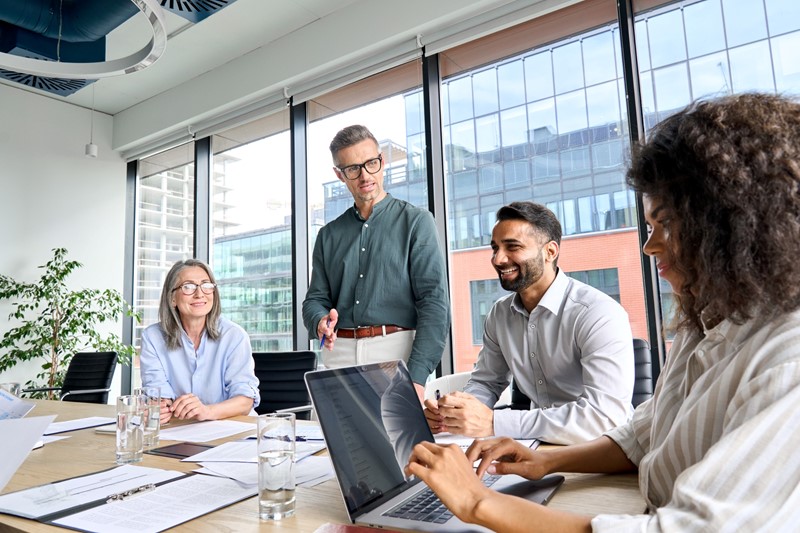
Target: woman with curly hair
[(717, 447)]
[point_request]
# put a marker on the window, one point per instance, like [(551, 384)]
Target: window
[(251, 229), (559, 143)]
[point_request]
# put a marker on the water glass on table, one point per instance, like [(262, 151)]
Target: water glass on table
[(131, 412), (276, 452), (151, 397), (13, 388)]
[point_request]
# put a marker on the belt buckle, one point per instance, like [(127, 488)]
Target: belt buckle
[(368, 335)]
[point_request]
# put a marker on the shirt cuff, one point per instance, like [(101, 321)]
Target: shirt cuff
[(509, 423), (625, 438)]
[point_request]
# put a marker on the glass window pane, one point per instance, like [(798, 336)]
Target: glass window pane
[(662, 30), (487, 131), (538, 76), (783, 16), (571, 110), (751, 68), (672, 88), (745, 21), (787, 62), (603, 104), (514, 126), (568, 67), (710, 75), (598, 58), (460, 96), (705, 32), (484, 91), (642, 45), (251, 249), (512, 92), (164, 228)]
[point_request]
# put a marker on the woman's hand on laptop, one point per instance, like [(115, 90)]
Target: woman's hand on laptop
[(449, 473)]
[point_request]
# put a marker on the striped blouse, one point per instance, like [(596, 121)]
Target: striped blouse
[(718, 445)]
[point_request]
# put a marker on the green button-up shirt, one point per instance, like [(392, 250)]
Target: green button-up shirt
[(388, 269)]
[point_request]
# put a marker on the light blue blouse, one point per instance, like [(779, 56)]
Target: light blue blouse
[(219, 369)]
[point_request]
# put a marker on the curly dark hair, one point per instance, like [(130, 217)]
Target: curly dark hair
[(729, 172)]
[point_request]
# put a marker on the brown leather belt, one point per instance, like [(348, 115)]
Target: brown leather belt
[(365, 332)]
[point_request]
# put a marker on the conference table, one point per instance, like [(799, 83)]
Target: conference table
[(86, 452)]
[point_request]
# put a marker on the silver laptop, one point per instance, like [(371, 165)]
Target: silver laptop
[(371, 419)]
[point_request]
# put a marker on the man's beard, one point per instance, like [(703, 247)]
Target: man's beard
[(529, 273)]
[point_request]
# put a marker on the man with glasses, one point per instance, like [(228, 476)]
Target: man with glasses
[(378, 289)]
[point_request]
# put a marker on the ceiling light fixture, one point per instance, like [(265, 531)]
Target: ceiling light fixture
[(102, 69), (91, 148)]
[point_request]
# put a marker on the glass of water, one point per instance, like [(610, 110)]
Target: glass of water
[(276, 433), (151, 397), (130, 428)]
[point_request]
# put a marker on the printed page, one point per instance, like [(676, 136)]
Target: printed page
[(19, 437), (206, 431), (165, 507)]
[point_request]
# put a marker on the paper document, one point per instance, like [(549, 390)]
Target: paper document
[(308, 472), (52, 498), (165, 507), (245, 451), (464, 442), (13, 407), (206, 431), (78, 423), (19, 436)]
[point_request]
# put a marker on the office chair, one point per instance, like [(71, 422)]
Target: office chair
[(88, 378), (643, 372), (281, 383), (446, 384), (642, 379)]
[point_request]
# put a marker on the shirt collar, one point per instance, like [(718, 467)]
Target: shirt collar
[(376, 208), (732, 332), (551, 299)]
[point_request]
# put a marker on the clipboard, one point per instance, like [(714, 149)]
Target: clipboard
[(140, 489)]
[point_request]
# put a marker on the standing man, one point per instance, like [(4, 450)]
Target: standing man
[(378, 288), (567, 345)]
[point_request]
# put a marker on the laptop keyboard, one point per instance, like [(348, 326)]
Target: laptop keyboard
[(426, 507)]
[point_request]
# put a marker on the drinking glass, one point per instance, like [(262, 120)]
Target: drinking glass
[(13, 388), (130, 428), (276, 433), (151, 396)]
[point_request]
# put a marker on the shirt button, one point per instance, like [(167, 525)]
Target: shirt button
[(363, 249), (540, 381), (533, 355), (366, 225), (361, 275), (357, 302)]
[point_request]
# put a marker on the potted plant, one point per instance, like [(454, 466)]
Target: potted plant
[(56, 322)]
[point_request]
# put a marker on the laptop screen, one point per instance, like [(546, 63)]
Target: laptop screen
[(371, 418)]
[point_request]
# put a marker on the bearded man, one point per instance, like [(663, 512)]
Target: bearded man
[(567, 345)]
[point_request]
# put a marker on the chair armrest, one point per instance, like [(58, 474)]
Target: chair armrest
[(299, 409), (84, 391), (41, 389)]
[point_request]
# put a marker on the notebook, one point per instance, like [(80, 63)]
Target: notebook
[(371, 419)]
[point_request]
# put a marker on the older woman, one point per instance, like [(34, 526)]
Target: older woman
[(201, 361), (717, 447)]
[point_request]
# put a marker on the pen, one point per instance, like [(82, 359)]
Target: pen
[(322, 340), (438, 395)]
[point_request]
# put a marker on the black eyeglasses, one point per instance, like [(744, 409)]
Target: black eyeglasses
[(190, 288), (372, 166)]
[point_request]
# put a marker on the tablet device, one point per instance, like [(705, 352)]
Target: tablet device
[(180, 450)]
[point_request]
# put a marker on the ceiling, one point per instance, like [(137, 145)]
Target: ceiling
[(192, 48)]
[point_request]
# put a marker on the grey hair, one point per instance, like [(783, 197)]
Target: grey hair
[(348, 137), (168, 314)]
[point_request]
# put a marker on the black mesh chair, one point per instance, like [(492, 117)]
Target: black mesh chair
[(88, 378), (643, 372), (642, 379), (281, 383)]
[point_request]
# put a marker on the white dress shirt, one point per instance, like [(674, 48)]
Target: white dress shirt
[(572, 356), (718, 445)]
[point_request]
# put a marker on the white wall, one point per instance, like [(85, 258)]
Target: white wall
[(51, 196)]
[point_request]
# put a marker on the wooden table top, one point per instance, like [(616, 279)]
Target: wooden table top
[(87, 452)]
